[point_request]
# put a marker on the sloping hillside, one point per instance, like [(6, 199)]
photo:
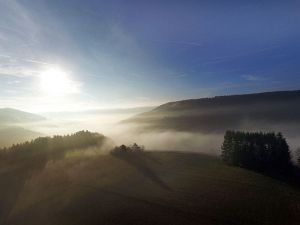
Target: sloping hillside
[(215, 115), (13, 134), (11, 126), (11, 116), (150, 188)]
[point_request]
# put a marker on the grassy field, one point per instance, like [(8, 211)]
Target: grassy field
[(151, 188)]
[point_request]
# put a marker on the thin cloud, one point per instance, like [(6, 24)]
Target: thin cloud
[(227, 58), (15, 67), (37, 62), (250, 77), (181, 42)]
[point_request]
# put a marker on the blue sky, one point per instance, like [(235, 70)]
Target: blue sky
[(137, 53)]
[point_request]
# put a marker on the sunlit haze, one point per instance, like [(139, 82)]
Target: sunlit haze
[(75, 55), (136, 112), (55, 81)]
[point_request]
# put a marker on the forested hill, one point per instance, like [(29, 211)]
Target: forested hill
[(220, 113), (233, 100)]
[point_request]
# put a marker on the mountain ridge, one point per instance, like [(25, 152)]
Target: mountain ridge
[(284, 94), (267, 110), (11, 115)]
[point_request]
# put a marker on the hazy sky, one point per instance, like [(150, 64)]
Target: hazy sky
[(71, 54)]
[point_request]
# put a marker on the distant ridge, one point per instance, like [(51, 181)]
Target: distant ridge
[(11, 130), (268, 110), (235, 99), (13, 134), (9, 116)]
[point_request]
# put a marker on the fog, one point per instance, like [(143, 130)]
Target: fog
[(204, 139), (120, 133), (208, 143)]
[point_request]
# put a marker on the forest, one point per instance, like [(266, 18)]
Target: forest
[(262, 152)]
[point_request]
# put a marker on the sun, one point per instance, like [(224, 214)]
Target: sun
[(56, 81)]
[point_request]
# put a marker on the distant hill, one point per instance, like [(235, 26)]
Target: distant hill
[(11, 130), (116, 112), (13, 135), (269, 110), (11, 116), (151, 188)]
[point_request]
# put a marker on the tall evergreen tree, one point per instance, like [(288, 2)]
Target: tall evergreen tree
[(227, 147)]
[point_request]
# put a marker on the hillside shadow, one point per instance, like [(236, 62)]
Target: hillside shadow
[(13, 176), (139, 161)]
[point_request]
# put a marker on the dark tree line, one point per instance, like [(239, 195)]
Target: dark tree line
[(54, 146), (262, 152)]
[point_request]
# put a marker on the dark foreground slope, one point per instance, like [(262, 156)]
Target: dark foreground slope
[(271, 111), (151, 188)]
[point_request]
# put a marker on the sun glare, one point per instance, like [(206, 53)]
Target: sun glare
[(55, 81)]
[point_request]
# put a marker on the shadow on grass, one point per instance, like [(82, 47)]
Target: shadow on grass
[(139, 161), (13, 175)]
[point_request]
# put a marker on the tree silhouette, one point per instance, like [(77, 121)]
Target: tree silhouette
[(264, 152), (123, 149)]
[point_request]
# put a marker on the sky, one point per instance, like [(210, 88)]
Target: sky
[(63, 55)]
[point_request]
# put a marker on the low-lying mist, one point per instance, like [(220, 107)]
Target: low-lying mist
[(208, 143), (166, 140), (152, 137)]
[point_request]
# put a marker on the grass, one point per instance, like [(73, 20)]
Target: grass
[(151, 188)]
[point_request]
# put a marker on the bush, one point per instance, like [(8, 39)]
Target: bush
[(123, 149)]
